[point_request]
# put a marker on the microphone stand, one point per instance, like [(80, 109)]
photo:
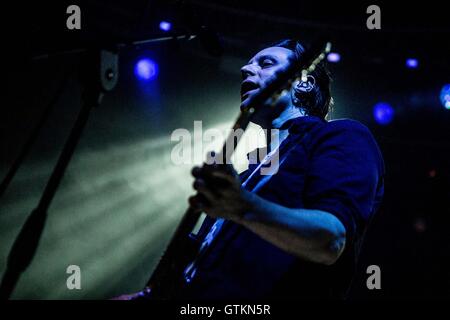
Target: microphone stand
[(99, 75)]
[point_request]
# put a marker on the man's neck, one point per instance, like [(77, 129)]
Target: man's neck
[(275, 137)]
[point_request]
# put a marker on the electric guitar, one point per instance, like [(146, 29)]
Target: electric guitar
[(168, 275)]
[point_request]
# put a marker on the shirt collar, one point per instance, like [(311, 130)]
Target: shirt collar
[(295, 126), (301, 124)]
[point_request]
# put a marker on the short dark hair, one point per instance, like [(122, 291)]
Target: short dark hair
[(318, 102)]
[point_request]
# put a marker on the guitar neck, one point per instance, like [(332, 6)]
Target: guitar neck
[(168, 268)]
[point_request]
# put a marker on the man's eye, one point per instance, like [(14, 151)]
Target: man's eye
[(267, 63)]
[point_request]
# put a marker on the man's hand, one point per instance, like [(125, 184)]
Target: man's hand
[(219, 192)]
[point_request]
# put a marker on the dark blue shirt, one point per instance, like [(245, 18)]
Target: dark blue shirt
[(334, 166)]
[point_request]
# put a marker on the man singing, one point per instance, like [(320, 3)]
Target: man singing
[(297, 233)]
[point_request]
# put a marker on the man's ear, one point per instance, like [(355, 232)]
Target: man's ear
[(305, 86)]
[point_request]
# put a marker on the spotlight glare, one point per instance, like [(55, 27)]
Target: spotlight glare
[(334, 57), (412, 63), (445, 96), (165, 26), (383, 113), (146, 69)]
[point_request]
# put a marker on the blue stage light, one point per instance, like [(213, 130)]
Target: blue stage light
[(334, 57), (412, 63), (383, 113), (146, 69), (165, 26), (445, 96)]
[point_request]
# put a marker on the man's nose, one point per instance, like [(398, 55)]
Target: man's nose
[(247, 71)]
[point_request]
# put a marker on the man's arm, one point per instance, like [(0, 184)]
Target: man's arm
[(342, 178), (313, 235)]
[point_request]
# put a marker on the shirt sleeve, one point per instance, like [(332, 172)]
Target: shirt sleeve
[(345, 171)]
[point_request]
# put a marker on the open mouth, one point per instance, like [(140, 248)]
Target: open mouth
[(247, 88), (248, 93)]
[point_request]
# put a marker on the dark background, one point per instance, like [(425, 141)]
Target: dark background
[(121, 197)]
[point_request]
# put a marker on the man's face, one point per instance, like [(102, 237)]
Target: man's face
[(261, 67)]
